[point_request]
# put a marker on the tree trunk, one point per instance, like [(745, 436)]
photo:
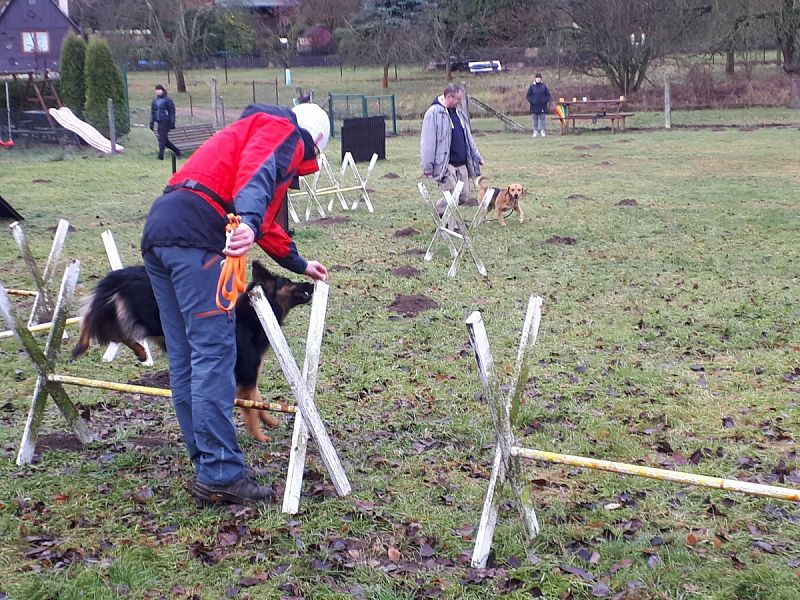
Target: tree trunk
[(730, 62), (180, 79), (794, 89), (449, 70), (385, 78)]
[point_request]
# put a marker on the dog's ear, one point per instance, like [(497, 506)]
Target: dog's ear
[(260, 272)]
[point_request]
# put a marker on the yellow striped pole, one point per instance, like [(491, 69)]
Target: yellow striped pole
[(13, 292), (160, 392), (734, 485), (40, 327)]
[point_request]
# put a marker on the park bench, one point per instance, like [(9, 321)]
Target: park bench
[(188, 138), (592, 110)]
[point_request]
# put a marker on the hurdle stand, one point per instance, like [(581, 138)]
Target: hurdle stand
[(445, 235), (506, 467), (44, 362), (43, 280), (116, 264), (360, 182), (303, 388)]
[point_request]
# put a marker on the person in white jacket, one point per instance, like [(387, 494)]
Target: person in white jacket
[(448, 153)]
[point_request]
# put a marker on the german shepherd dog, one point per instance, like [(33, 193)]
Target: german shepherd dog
[(123, 309)]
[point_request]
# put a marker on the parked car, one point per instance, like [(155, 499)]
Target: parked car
[(484, 66)]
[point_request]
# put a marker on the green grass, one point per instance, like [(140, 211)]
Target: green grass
[(661, 320)]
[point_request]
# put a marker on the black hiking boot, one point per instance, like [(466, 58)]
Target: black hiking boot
[(242, 491)]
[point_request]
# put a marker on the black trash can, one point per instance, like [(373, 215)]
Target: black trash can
[(364, 137)]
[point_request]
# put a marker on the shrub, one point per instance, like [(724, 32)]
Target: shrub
[(73, 82), (103, 81)]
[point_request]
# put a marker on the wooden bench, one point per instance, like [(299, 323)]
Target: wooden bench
[(188, 138), (593, 110)]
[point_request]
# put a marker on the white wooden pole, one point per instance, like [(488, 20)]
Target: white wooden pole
[(667, 106), (305, 402), (297, 454)]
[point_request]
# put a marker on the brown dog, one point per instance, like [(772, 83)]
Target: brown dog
[(504, 199)]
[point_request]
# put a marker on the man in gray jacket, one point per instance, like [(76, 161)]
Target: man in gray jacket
[(447, 150)]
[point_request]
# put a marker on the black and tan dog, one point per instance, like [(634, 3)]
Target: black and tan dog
[(504, 199), (123, 309)]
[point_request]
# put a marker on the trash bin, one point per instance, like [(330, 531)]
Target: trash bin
[(364, 137)]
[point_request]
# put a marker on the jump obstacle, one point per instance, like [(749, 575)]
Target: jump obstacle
[(450, 226), (51, 383), (313, 188), (507, 468)]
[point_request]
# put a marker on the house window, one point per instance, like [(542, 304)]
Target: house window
[(35, 41)]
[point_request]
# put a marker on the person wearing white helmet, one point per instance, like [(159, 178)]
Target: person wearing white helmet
[(245, 169)]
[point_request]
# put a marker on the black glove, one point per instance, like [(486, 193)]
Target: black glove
[(151, 126)]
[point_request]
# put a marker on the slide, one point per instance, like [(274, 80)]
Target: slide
[(67, 119)]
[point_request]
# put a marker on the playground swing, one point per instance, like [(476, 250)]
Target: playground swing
[(10, 142)]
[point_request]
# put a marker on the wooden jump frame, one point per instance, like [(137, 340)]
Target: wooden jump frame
[(303, 385), (450, 226), (506, 467), (314, 189)]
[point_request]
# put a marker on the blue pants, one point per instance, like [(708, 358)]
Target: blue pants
[(201, 346), (539, 121)]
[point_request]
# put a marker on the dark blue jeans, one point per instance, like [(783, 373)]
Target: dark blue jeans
[(201, 346), (163, 139)]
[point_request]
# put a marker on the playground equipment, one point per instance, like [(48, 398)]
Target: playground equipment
[(9, 142), (67, 119)]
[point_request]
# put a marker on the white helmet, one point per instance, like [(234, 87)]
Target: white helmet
[(315, 121)]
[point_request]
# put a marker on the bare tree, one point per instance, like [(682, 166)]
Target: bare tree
[(176, 27)]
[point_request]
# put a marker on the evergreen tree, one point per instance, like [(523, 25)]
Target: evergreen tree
[(73, 82), (103, 81)]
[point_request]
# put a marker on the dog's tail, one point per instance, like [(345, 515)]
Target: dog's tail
[(85, 337), (479, 182)]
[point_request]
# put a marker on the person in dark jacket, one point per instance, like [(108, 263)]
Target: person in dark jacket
[(245, 169), (538, 97), (162, 111)]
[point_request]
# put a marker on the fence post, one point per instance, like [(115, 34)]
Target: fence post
[(214, 101), (254, 91), (277, 101), (330, 113), (667, 107), (222, 109), (191, 107), (112, 126)]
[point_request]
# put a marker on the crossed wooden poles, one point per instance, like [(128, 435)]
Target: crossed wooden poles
[(451, 231), (506, 467), (309, 425), (314, 188)]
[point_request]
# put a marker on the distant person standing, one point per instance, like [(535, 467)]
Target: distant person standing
[(162, 111), (538, 97)]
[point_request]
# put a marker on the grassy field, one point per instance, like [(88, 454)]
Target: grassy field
[(669, 266)]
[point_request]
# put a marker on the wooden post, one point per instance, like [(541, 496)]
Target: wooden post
[(43, 362), (297, 454), (305, 402), (222, 108), (277, 100), (254, 91), (112, 127), (505, 467), (214, 102), (667, 107)]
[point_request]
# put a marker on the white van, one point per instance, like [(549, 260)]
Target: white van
[(485, 66)]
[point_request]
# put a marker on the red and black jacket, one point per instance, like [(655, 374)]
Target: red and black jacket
[(245, 168)]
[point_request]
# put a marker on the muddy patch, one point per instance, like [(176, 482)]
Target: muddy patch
[(44, 180), (584, 155), (587, 147), (333, 220), (718, 129), (414, 252), (747, 129), (159, 379), (149, 441), (339, 268), (605, 163), (58, 441), (405, 272), (627, 202), (578, 197), (411, 306), (622, 142), (391, 176), (563, 240), (407, 232)]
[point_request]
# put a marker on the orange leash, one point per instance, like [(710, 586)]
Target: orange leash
[(233, 278)]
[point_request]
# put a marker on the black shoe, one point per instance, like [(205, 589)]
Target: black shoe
[(178, 154), (160, 157), (256, 472), (242, 491)]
